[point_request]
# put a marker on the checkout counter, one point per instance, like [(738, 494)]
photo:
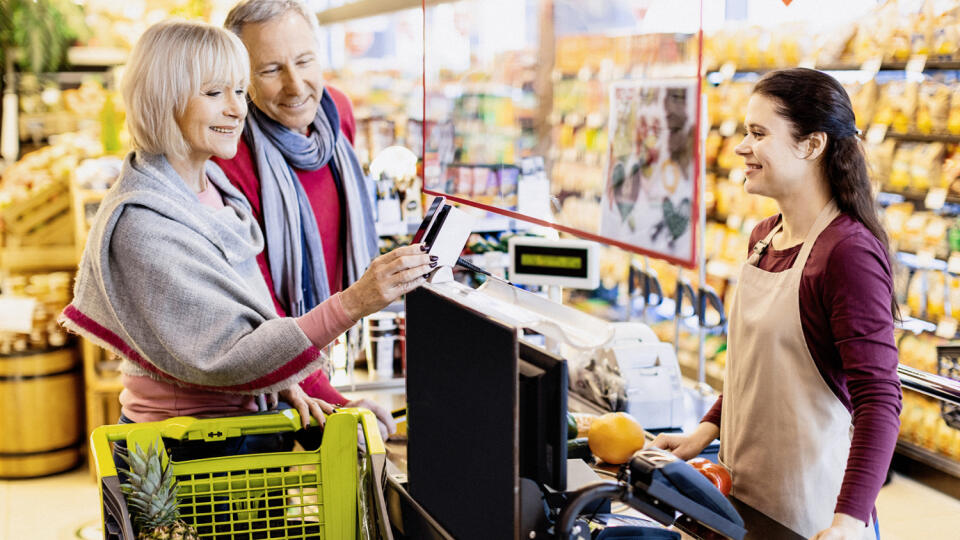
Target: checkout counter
[(464, 470), (459, 473)]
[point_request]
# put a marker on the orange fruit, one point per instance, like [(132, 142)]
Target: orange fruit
[(614, 437)]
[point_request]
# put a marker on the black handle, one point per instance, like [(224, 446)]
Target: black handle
[(652, 289), (684, 289), (708, 295)]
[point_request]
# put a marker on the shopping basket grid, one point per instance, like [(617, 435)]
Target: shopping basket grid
[(287, 495)]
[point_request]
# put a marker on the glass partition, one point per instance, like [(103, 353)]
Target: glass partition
[(578, 115)]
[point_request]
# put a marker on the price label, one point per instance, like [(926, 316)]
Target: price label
[(916, 63), (728, 127), (947, 328), (935, 198), (727, 70), (925, 258), (872, 66), (16, 314), (877, 133), (953, 263), (736, 176)]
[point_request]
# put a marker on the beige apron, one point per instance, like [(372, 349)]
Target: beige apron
[(784, 435)]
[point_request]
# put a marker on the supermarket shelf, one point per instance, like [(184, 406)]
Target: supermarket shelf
[(886, 198), (97, 56), (922, 137), (368, 8), (22, 259), (928, 457), (930, 65)]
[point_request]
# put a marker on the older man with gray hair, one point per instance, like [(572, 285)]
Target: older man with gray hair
[(296, 166)]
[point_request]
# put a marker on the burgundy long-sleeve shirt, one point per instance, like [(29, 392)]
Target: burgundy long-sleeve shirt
[(845, 293), (321, 191)]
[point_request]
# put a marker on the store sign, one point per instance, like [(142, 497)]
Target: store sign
[(650, 197)]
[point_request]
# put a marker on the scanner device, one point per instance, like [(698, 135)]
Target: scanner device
[(445, 230)]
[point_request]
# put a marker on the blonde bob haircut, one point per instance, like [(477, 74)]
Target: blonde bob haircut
[(170, 63)]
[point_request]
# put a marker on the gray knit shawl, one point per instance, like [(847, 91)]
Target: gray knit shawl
[(173, 287)]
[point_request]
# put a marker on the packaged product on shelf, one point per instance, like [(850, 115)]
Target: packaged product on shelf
[(946, 37), (919, 351), (953, 119), (509, 176), (900, 177), (950, 170), (925, 167), (880, 160), (953, 293), (933, 109), (897, 106), (895, 219), (864, 98), (52, 293), (936, 295)]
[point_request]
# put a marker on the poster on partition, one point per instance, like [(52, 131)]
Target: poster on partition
[(650, 195)]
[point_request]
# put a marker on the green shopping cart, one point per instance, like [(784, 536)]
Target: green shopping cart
[(329, 493)]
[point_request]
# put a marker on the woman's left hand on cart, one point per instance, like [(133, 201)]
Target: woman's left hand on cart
[(304, 404)]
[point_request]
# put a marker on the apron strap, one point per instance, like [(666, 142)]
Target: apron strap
[(761, 246)]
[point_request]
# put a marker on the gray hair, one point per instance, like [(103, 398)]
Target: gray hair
[(258, 11), (170, 63)]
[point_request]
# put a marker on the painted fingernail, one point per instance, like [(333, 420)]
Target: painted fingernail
[(425, 276), (434, 258), (424, 247), (434, 264)]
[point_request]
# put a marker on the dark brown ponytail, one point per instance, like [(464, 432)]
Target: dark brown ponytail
[(813, 101)]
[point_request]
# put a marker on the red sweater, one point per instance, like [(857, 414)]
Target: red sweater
[(845, 293), (321, 192)]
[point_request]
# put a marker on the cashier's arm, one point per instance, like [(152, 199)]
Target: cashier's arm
[(688, 446)]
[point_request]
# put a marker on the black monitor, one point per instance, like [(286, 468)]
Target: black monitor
[(483, 411), (543, 417)]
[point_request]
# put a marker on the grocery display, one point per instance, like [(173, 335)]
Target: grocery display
[(523, 121)]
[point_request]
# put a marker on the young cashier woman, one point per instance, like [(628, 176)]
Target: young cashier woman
[(809, 414)]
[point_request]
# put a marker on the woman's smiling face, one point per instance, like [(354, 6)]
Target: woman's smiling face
[(775, 164)]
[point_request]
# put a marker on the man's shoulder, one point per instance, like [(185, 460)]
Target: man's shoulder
[(241, 170), (348, 123)]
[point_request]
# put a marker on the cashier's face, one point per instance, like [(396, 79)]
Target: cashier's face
[(776, 165), (286, 82)]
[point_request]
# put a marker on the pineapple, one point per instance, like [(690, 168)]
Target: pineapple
[(152, 496)]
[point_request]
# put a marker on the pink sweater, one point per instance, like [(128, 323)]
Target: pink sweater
[(147, 400)]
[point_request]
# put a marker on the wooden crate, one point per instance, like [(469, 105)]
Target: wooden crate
[(42, 219), (36, 233)]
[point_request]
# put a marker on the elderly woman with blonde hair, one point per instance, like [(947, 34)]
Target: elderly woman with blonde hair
[(169, 278)]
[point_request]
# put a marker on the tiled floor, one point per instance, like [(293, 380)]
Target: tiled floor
[(64, 507)]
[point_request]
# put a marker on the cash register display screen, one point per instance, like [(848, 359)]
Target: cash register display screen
[(551, 261)]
